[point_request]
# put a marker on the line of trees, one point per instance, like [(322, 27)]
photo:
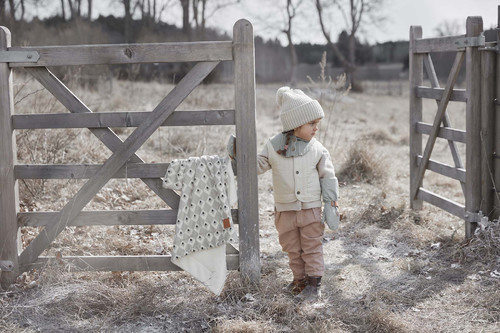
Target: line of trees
[(347, 51)]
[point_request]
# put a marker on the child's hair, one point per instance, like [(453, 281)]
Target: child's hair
[(296, 108)]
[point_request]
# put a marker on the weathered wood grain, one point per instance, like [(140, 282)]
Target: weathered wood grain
[(117, 159), (105, 54), (444, 169), (450, 83), (120, 263), (86, 171), (9, 195), (487, 136), (444, 132), (457, 95), (439, 44), (416, 79), (107, 218), (119, 119), (474, 27), (244, 87), (106, 135), (450, 206), (431, 73)]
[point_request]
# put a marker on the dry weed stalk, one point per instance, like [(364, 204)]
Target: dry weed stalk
[(328, 91)]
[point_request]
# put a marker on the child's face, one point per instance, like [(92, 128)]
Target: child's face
[(307, 131)]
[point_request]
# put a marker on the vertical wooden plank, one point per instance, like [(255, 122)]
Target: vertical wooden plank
[(488, 62), (248, 208), (416, 79), (474, 28), (9, 232), (496, 165)]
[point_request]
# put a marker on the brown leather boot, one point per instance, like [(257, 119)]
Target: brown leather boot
[(312, 291), (296, 286)]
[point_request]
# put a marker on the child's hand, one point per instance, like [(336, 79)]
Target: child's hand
[(231, 147)]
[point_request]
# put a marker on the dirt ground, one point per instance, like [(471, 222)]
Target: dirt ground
[(388, 268)]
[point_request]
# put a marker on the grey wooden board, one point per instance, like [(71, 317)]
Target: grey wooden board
[(119, 263), (450, 206), (86, 171), (444, 169), (488, 70), (106, 135), (127, 53), (119, 157), (416, 109), (444, 132), (244, 87), (457, 95), (107, 218), (474, 27), (9, 197), (437, 121), (439, 44), (120, 119)]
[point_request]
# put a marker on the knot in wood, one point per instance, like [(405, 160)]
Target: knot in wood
[(128, 52)]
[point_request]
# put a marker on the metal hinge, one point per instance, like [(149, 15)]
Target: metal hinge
[(473, 217), (6, 265), (19, 56), (463, 42)]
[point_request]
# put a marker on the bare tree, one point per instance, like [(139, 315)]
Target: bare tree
[(355, 14), (448, 28), (202, 10), (89, 9), (291, 10), (63, 10), (2, 10)]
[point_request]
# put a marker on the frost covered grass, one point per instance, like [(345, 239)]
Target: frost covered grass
[(388, 269)]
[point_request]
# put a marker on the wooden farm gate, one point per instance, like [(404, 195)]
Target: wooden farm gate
[(482, 134), (123, 161)]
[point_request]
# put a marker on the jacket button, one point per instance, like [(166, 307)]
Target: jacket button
[(296, 172), (298, 192)]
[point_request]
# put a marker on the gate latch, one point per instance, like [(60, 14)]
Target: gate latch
[(19, 56), (463, 42), (6, 265)]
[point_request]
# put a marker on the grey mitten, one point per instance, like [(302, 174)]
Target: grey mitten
[(330, 194)]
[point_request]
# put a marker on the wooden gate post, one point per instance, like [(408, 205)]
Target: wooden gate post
[(496, 161), (474, 28), (246, 143), (9, 232), (488, 68), (416, 79)]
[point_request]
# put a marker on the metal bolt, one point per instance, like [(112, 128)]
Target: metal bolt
[(29, 56)]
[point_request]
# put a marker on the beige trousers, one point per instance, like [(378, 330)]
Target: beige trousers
[(300, 235)]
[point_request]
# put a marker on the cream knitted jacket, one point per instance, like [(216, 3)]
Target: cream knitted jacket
[(296, 178)]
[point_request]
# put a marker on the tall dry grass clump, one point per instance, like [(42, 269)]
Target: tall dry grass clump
[(362, 165)]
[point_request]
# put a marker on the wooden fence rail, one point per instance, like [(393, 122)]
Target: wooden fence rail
[(123, 162), (481, 170)]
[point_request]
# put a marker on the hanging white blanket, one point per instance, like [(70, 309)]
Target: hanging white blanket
[(204, 222)]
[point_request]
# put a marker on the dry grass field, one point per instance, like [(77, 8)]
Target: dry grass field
[(388, 268)]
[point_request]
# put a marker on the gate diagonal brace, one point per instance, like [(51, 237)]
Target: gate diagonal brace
[(19, 56), (6, 265)]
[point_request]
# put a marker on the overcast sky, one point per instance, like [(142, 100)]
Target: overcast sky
[(268, 19)]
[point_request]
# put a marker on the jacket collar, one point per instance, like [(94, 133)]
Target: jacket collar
[(288, 145)]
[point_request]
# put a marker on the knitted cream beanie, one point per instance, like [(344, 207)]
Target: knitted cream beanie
[(296, 108)]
